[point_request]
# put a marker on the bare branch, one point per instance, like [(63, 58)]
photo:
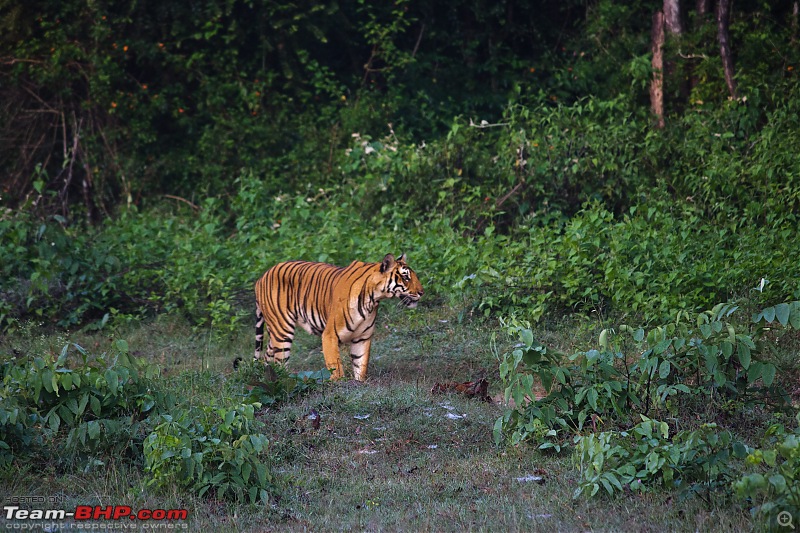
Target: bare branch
[(184, 200)]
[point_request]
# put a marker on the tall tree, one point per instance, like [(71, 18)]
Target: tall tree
[(668, 20), (657, 84), (723, 33)]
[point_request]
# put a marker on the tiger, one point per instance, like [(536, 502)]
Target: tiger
[(339, 304)]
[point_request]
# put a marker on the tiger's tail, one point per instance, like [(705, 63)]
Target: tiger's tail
[(259, 332)]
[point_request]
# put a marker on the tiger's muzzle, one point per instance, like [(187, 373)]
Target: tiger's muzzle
[(411, 299)]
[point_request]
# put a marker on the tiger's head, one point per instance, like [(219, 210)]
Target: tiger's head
[(401, 281)]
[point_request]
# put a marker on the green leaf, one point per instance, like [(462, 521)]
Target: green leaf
[(82, 405), (47, 380), (739, 450), (498, 431), (662, 346), (591, 396), (711, 362), (779, 482), (755, 371), (95, 405), (744, 356), (113, 381), (782, 313), (726, 348), (794, 318), (768, 374), (121, 345), (93, 429), (54, 421), (768, 314), (526, 336), (664, 369)]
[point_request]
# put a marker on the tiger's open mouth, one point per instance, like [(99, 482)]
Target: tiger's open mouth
[(410, 300)]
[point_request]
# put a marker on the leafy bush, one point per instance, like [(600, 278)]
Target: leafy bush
[(210, 448), (273, 384), (99, 402), (646, 456), (681, 367), (775, 486)]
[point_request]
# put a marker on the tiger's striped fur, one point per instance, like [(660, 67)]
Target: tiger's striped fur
[(338, 303)]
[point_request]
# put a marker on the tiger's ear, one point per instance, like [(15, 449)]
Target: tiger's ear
[(387, 263), (402, 258)]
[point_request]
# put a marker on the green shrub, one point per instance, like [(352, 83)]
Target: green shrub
[(98, 402), (645, 457), (691, 365), (775, 487), (210, 448)]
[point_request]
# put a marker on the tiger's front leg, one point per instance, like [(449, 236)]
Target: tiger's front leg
[(330, 350), (359, 353)]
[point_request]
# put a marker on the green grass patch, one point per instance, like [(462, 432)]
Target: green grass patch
[(385, 455)]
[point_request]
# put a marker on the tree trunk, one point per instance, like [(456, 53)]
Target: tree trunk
[(795, 13), (673, 23), (657, 85), (672, 17), (723, 22), (702, 7)]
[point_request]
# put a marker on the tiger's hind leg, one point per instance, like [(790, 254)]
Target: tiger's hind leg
[(281, 335)]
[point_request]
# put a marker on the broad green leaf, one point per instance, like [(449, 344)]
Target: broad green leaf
[(113, 381), (526, 336), (711, 362), (744, 356), (47, 380), (591, 397), (768, 374), (93, 429), (755, 371), (794, 317), (95, 405), (726, 348), (662, 346), (54, 421), (782, 313), (664, 369)]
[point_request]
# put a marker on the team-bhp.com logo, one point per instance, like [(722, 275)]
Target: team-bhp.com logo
[(84, 515)]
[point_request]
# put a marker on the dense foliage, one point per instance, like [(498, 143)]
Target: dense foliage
[(83, 409)]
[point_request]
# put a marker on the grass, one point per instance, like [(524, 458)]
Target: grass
[(388, 455)]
